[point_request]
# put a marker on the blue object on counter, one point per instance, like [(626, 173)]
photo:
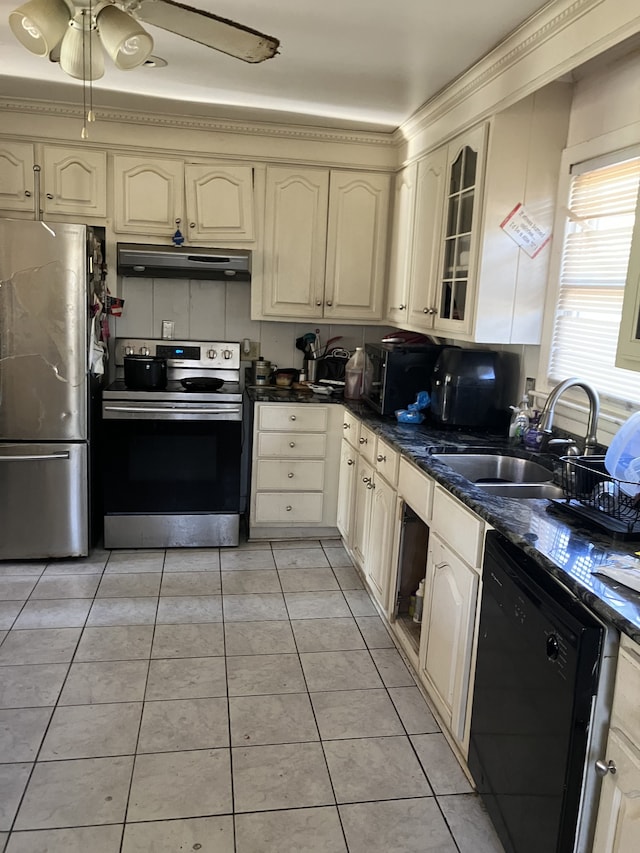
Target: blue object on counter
[(405, 416)]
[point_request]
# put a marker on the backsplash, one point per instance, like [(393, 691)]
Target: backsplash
[(220, 310)]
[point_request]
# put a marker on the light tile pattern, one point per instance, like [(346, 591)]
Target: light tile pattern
[(243, 700)]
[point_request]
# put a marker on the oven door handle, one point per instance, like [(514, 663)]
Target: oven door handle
[(173, 410), (35, 457)]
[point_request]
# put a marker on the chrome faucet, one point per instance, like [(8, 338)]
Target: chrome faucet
[(548, 411)]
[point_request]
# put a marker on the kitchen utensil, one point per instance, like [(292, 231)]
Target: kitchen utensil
[(202, 383), (145, 372)]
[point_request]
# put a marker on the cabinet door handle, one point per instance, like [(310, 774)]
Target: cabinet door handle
[(292, 444), (440, 566), (381, 458), (192, 225), (289, 508), (347, 426), (329, 303), (27, 193), (318, 303), (371, 485), (364, 441), (49, 196), (426, 310), (603, 767), (366, 480), (349, 461), (401, 307), (290, 475), (292, 417), (433, 310)]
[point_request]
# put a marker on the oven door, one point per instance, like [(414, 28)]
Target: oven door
[(158, 466)]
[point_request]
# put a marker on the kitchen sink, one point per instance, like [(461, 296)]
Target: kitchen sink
[(495, 468), (523, 490)]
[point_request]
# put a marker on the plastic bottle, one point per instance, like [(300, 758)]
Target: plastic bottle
[(417, 614), (354, 375), (519, 421)]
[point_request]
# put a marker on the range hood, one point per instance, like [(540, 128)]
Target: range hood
[(148, 261)]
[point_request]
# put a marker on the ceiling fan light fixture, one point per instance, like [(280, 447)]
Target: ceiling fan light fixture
[(126, 42), (81, 55), (40, 24)]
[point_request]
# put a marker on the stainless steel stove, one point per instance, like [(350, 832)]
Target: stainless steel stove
[(173, 456)]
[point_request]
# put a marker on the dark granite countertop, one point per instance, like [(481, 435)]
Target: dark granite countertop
[(562, 545), (276, 394)]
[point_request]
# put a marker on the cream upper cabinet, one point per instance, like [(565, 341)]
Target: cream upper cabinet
[(401, 240), (16, 176), (425, 247), (356, 245), (220, 205), (628, 353), (295, 242), (148, 195), (74, 181), (463, 196), (325, 244)]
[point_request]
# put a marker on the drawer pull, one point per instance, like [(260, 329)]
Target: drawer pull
[(292, 418), (349, 461), (289, 508), (371, 485), (381, 458), (347, 426), (364, 441), (292, 444), (290, 475), (366, 479)]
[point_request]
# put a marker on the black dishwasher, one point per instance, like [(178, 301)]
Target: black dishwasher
[(537, 673)]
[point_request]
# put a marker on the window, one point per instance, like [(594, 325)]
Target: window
[(595, 257)]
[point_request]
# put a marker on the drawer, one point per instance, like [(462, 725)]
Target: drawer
[(289, 445), (304, 418), (296, 475), (299, 508), (416, 489), (626, 697), (387, 461), (367, 444), (461, 529), (351, 428)]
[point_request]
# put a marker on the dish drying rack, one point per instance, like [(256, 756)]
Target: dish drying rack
[(593, 494)]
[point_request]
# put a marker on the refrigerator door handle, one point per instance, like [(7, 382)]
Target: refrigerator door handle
[(35, 457)]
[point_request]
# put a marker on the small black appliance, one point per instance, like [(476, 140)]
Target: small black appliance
[(398, 372), (473, 387)]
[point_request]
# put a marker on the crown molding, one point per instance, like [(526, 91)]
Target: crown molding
[(262, 129), (529, 37)]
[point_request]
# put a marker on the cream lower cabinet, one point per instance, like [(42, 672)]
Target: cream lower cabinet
[(448, 621), (451, 601), (295, 464), (346, 490), (618, 823)]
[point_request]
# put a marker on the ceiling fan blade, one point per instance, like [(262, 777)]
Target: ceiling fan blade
[(208, 29)]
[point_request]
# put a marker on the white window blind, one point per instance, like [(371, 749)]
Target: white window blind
[(595, 257)]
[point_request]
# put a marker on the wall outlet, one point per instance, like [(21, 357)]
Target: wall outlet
[(529, 384), (249, 350)]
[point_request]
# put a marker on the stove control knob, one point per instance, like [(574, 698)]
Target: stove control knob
[(144, 350), (227, 353), (128, 350), (212, 353)]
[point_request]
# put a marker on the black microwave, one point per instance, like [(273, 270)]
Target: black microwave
[(398, 372)]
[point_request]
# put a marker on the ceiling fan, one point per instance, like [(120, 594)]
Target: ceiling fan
[(73, 32)]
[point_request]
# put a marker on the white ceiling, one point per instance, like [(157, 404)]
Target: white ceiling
[(353, 63)]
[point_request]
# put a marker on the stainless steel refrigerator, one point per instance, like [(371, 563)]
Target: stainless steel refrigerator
[(45, 429)]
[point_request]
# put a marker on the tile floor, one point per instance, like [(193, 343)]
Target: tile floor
[(244, 700)]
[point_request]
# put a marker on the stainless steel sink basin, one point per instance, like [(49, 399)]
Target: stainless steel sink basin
[(522, 490), (495, 469)]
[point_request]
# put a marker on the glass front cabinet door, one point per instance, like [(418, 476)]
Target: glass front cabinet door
[(466, 156), (628, 353)]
